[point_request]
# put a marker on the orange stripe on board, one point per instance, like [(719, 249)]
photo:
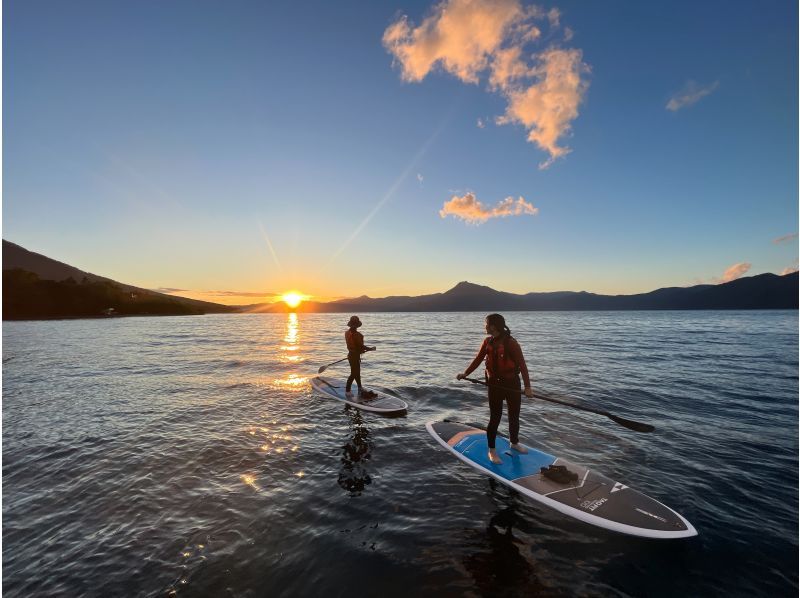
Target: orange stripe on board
[(461, 435)]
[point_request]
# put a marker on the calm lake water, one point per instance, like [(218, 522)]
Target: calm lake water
[(187, 456)]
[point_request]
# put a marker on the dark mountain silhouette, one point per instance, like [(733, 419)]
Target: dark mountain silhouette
[(36, 286), (765, 291)]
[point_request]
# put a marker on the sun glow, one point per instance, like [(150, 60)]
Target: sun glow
[(292, 299)]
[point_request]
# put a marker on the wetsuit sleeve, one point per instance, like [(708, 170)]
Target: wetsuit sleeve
[(477, 361), (516, 355)]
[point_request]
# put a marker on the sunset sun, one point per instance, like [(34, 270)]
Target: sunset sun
[(292, 299)]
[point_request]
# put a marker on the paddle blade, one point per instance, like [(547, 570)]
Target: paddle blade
[(322, 368), (630, 424)]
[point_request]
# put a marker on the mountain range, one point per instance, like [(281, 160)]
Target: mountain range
[(764, 291)]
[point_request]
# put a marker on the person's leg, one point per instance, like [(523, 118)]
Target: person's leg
[(354, 367), (495, 414), (514, 400), (357, 371)]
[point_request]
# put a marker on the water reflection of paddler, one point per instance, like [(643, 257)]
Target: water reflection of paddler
[(355, 347), (495, 561), (353, 475), (504, 364)]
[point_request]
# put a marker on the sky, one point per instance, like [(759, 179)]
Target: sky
[(233, 151)]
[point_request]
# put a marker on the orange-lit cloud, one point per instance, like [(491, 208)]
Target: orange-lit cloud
[(224, 297), (460, 36), (784, 238), (547, 107), (690, 94), (469, 209), (733, 272), (790, 269), (471, 38)]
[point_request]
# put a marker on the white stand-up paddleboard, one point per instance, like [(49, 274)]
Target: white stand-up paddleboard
[(335, 389), (592, 498)]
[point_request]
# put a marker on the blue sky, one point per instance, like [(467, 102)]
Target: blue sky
[(157, 144)]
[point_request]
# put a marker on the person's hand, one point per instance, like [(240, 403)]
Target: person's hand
[(460, 376), (529, 392)]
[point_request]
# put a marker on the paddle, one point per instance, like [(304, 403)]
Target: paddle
[(325, 367), (630, 424)]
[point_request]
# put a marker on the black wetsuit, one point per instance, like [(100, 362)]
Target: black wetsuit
[(355, 347)]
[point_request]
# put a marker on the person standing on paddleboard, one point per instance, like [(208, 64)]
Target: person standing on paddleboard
[(355, 347), (504, 364)]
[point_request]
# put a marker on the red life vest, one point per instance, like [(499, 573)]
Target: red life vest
[(354, 340), (500, 365)]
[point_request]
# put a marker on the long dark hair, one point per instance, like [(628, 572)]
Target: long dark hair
[(498, 322)]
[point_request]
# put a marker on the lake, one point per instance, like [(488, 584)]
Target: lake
[(188, 456)]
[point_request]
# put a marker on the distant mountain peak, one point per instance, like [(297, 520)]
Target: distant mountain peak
[(469, 287)]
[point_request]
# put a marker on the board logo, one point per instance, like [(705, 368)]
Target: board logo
[(617, 487), (591, 505), (651, 515)]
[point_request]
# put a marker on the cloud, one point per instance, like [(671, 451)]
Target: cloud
[(784, 238), (481, 123), (548, 107), (690, 94), (470, 39), (460, 36), (568, 34), (243, 293), (469, 209), (733, 272), (169, 291), (790, 269), (420, 178)]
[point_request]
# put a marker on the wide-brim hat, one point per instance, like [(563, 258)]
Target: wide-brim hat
[(354, 322)]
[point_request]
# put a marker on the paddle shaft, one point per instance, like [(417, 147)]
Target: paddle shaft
[(630, 424), (325, 367)]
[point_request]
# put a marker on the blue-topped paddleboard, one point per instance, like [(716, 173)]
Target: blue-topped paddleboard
[(592, 498), (335, 389)]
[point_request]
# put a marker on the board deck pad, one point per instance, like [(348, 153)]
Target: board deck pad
[(335, 389), (593, 498)]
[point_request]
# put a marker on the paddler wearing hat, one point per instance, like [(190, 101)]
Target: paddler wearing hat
[(355, 347)]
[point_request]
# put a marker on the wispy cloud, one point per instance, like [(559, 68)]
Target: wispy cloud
[(733, 272), (420, 178), (790, 269), (468, 208), (481, 123), (244, 294), (220, 293), (470, 39), (785, 238), (690, 94)]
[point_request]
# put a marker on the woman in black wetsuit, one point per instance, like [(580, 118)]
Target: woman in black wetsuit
[(504, 364)]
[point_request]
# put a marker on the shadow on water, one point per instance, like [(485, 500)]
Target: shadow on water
[(498, 560), (353, 475)]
